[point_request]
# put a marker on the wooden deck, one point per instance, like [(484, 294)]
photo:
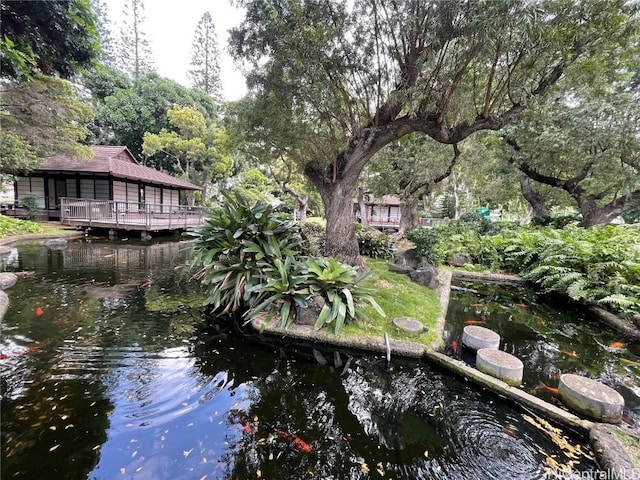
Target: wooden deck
[(108, 214)]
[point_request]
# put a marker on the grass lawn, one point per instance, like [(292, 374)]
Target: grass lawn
[(631, 444), (11, 227), (398, 296)]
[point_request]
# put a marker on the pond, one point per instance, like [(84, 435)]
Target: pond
[(550, 336), (110, 371)]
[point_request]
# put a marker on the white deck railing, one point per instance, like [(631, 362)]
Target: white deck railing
[(123, 215)]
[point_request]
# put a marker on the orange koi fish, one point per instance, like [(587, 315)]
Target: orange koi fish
[(455, 347), (551, 390), (477, 305), (39, 311), (295, 442), (571, 354), (475, 322), (616, 345), (145, 284), (520, 305)]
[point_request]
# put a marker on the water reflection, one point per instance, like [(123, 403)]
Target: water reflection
[(119, 377), (551, 338)]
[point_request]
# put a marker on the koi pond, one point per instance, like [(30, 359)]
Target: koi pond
[(550, 337), (110, 371)]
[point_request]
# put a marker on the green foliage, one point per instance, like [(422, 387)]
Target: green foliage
[(339, 284), (13, 226), (374, 245), (236, 250), (250, 261), (425, 241), (43, 118), (599, 265), (313, 236), (30, 204), (57, 37)]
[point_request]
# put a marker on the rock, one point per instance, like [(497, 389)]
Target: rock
[(308, 315), (500, 365), (7, 280), (409, 258), (409, 325), (476, 337), (394, 267), (459, 259), (426, 276), (4, 250), (636, 320), (591, 398), (4, 304), (56, 243)]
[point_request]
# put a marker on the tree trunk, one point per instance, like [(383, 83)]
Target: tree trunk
[(538, 208), (341, 241), (408, 216), (593, 214), (364, 218), (303, 204)]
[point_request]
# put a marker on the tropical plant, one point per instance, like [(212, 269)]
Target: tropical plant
[(340, 285), (236, 250), (250, 262), (285, 289)]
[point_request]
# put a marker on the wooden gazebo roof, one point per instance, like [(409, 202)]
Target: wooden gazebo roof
[(118, 162)]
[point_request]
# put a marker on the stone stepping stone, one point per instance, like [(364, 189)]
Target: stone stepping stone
[(476, 337), (7, 280), (500, 365), (591, 397), (409, 325)]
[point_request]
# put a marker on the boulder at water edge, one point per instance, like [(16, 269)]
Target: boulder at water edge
[(7, 280)]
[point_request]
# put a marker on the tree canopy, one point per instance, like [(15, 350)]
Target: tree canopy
[(359, 75), (54, 37)]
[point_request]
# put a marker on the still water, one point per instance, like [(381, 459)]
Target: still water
[(111, 371), (551, 337)]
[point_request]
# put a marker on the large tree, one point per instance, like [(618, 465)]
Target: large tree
[(587, 146), (359, 75), (124, 116), (135, 57), (43, 43), (205, 73), (199, 150)]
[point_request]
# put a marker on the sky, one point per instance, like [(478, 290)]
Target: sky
[(170, 27)]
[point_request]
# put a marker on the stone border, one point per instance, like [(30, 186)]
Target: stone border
[(615, 322), (611, 454), (489, 277), (39, 236)]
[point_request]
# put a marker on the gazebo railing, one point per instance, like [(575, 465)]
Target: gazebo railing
[(116, 214)]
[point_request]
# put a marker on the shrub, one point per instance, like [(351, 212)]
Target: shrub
[(30, 204), (313, 238), (339, 285), (374, 244), (237, 248), (249, 261), (425, 241)]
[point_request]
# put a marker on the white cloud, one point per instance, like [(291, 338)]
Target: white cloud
[(170, 26)]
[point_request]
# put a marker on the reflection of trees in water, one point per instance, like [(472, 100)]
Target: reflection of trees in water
[(50, 433)]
